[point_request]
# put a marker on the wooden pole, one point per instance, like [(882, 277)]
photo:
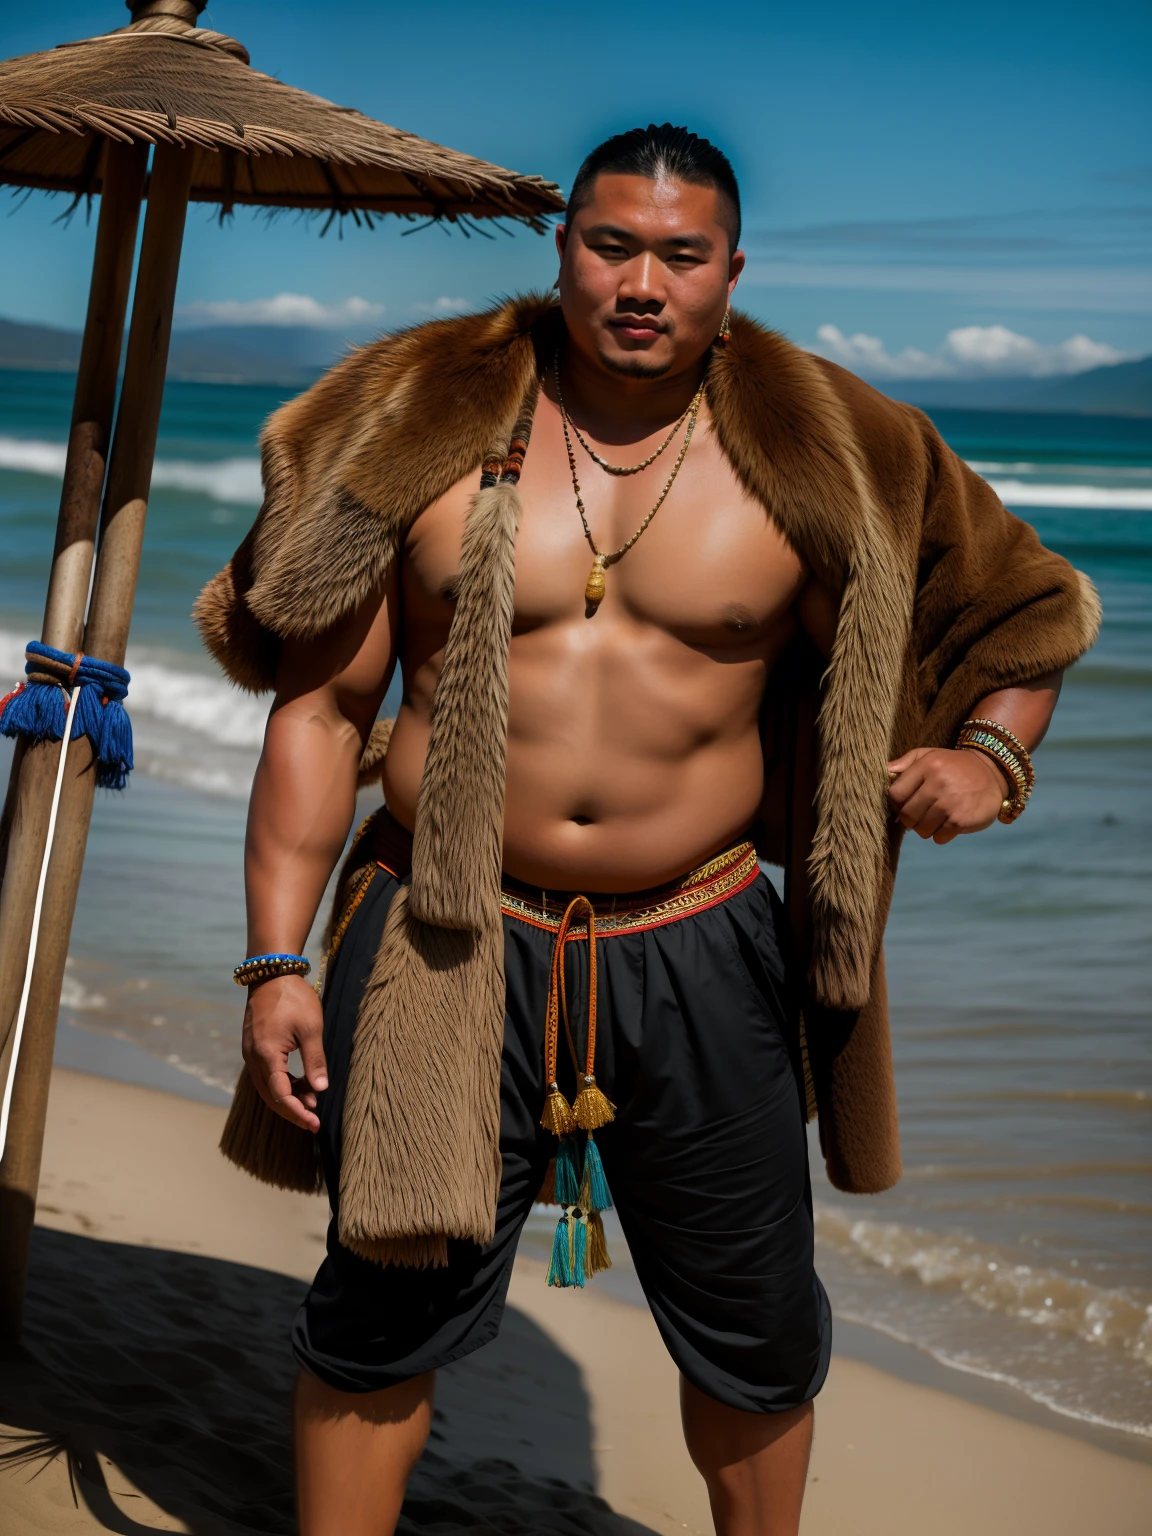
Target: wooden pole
[(24, 823), (105, 636), (93, 406)]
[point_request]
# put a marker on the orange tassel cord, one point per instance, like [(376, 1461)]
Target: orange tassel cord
[(591, 1108)]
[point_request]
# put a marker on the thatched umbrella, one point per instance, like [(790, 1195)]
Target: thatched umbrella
[(80, 119), (253, 139)]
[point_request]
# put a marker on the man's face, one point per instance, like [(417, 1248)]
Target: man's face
[(645, 274)]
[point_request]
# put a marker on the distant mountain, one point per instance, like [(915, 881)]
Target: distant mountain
[(265, 354), (1123, 389), (296, 354), (37, 346), (959, 394), (258, 354)]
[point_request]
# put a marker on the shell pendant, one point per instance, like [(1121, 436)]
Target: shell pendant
[(594, 588)]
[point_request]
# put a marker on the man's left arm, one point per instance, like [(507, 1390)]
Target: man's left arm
[(997, 619), (941, 792)]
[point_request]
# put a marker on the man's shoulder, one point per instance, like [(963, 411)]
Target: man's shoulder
[(869, 405), (801, 391)]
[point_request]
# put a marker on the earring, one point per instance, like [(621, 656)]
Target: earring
[(725, 328)]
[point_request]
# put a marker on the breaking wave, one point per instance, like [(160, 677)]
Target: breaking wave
[(231, 480), (1027, 493), (194, 701), (1117, 1317)]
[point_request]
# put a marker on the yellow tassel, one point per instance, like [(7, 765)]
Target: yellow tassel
[(557, 1116), (547, 1192), (596, 1258), (592, 1108)]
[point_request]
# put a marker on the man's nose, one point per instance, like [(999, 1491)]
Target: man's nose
[(642, 283)]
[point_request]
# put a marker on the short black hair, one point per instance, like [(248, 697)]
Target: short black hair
[(655, 152)]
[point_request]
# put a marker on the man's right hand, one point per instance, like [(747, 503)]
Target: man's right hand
[(281, 1016)]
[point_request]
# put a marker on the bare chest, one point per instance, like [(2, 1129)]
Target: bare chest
[(710, 569)]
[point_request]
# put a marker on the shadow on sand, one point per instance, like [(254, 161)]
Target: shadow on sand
[(177, 1369)]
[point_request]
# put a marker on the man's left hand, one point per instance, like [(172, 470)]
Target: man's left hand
[(940, 793)]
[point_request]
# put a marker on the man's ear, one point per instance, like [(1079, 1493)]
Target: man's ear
[(561, 239)]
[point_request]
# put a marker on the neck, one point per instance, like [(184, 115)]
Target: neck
[(619, 409)]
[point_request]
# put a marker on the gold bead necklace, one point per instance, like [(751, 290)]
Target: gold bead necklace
[(595, 586), (621, 469)]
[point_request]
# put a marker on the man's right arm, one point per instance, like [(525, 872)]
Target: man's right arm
[(328, 692)]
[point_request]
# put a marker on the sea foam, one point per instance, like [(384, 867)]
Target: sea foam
[(204, 705), (1027, 493), (997, 1281), (235, 480)]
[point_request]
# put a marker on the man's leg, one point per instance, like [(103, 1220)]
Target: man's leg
[(707, 1161), (355, 1452), (755, 1464)]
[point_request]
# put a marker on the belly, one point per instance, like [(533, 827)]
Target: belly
[(623, 770), (630, 823)]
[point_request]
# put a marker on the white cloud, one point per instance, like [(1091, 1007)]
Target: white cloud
[(970, 352), (441, 306), (283, 309)]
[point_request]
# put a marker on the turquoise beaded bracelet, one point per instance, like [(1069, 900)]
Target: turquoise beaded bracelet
[(259, 968)]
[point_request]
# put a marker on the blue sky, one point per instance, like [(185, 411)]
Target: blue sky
[(910, 173)]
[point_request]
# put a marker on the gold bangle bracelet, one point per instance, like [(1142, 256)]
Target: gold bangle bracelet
[(1004, 753), (995, 725), (1007, 738), (1013, 806)]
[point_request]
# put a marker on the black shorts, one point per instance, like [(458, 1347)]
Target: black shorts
[(706, 1160)]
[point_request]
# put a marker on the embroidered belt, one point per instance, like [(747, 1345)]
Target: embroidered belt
[(389, 847), (720, 878)]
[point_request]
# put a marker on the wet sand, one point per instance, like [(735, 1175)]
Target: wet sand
[(152, 1390)]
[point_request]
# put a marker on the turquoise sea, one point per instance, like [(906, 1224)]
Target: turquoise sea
[(1017, 1246)]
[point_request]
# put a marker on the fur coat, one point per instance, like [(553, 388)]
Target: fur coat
[(944, 598)]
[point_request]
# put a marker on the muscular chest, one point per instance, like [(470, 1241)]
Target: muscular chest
[(710, 569)]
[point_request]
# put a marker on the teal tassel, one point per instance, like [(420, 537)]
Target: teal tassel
[(567, 1171), (560, 1267), (579, 1250), (599, 1195)]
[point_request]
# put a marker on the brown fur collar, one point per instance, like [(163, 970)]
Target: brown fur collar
[(350, 463)]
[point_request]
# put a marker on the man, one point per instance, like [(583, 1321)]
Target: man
[(623, 550)]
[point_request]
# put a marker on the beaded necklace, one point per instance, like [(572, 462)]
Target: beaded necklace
[(621, 469), (595, 586)]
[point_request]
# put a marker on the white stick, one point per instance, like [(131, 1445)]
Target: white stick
[(34, 939)]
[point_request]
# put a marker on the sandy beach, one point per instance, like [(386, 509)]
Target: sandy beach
[(152, 1390)]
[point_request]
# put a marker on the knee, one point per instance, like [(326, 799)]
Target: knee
[(725, 1443), (408, 1405), (354, 1452)]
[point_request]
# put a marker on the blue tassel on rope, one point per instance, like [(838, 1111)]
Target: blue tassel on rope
[(560, 1266), (39, 709), (567, 1171), (599, 1196), (579, 1249)]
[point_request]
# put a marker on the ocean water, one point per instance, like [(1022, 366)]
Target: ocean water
[(1018, 1244)]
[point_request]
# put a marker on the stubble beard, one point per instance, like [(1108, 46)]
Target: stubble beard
[(634, 367)]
